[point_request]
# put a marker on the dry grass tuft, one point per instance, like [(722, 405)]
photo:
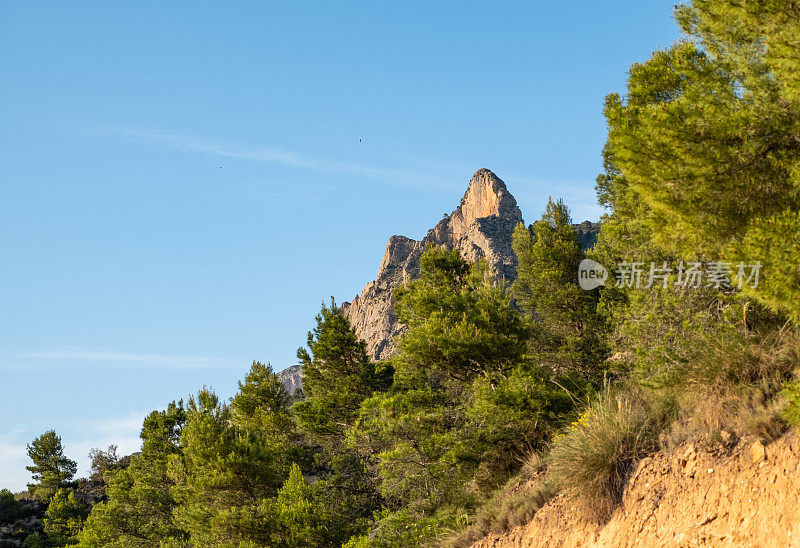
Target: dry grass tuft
[(593, 460), (512, 506)]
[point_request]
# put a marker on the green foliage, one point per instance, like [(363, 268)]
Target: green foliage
[(461, 321), (706, 151), (221, 476), (337, 376), (511, 416), (139, 510), (514, 505), (754, 39), (346, 495), (10, 507), (262, 408), (261, 393), (792, 395), (773, 241), (65, 518), (423, 457), (294, 515), (467, 402), (404, 528), (593, 459), (35, 540), (51, 469), (706, 142), (568, 335), (701, 163), (103, 461)]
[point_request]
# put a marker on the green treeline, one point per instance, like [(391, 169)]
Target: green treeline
[(496, 384)]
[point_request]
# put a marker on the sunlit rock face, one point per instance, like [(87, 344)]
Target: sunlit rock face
[(481, 226)]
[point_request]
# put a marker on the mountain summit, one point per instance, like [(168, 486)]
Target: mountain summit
[(481, 226)]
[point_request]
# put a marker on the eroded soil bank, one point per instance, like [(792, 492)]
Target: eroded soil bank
[(747, 496)]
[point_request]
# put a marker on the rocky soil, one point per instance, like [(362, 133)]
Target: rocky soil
[(745, 495)]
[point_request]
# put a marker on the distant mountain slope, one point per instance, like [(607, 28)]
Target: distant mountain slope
[(292, 378)]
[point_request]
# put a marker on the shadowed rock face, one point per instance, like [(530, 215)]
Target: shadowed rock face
[(481, 226), (291, 378)]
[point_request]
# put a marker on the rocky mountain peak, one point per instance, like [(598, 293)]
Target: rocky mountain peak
[(486, 196), (481, 226)]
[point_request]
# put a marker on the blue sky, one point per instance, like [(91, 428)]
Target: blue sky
[(183, 183)]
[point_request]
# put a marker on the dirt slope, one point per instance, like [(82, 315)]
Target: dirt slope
[(748, 496)]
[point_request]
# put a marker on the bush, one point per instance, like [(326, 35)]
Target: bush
[(773, 241), (402, 528), (593, 460), (731, 384), (792, 395), (730, 358), (10, 507), (510, 507)]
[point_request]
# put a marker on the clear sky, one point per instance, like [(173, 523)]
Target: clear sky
[(183, 183)]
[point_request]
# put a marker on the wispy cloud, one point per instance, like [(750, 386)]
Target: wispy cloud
[(104, 356), (183, 141), (122, 431), (13, 459), (579, 195), (78, 438)]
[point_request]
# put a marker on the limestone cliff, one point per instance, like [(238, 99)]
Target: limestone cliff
[(481, 226), (291, 378)]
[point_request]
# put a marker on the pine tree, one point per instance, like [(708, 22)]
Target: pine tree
[(296, 518), (568, 334), (139, 510), (51, 469), (461, 322), (10, 507), (337, 376), (64, 518), (466, 402), (221, 476), (707, 139), (262, 408), (702, 163)]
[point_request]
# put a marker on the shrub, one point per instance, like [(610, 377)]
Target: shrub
[(723, 414), (10, 507), (402, 528), (792, 395), (729, 358), (593, 460), (510, 507), (731, 384)]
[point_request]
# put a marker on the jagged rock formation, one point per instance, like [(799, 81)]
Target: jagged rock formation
[(481, 226), (587, 233), (292, 378)]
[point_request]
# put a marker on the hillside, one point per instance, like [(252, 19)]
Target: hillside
[(745, 495)]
